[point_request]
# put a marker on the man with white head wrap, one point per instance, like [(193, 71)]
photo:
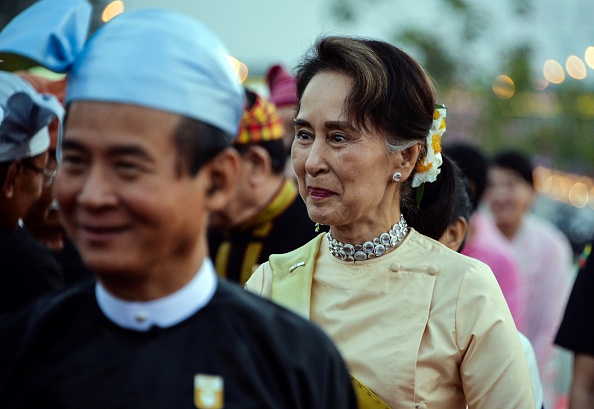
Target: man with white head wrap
[(28, 270), (153, 105)]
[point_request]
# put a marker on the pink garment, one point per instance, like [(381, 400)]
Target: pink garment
[(545, 257), (487, 244)]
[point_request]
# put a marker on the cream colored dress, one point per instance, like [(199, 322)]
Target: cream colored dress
[(422, 327)]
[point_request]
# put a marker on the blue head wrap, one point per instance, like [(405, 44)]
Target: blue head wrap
[(24, 118), (154, 58)]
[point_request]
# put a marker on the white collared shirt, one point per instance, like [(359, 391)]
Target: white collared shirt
[(163, 312)]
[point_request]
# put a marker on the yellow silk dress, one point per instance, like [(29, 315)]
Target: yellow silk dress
[(422, 326)]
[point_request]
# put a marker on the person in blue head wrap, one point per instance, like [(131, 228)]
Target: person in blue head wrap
[(152, 107), (27, 270)]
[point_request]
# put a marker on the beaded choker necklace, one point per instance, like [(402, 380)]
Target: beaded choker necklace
[(370, 249)]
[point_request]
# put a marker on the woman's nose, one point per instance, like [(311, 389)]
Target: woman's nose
[(316, 161)]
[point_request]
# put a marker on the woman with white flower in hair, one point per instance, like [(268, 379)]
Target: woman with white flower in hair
[(419, 325)]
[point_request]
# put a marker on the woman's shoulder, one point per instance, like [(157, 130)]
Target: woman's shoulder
[(458, 281), (305, 253), (280, 265)]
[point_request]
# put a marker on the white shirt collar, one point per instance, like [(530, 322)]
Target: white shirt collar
[(163, 312)]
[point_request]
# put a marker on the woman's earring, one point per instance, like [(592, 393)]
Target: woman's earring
[(397, 177)]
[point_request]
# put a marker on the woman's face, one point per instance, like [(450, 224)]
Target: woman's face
[(508, 195), (344, 173)]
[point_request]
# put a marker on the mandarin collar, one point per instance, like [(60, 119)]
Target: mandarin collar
[(163, 312)]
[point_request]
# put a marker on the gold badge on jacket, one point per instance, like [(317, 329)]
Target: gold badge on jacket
[(208, 391)]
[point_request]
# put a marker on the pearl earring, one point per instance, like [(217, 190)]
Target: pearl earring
[(397, 177)]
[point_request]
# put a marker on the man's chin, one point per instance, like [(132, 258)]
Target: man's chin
[(111, 267)]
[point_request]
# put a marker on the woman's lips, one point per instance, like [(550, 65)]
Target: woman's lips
[(318, 193)]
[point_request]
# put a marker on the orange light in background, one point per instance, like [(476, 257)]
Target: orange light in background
[(575, 190), (240, 68), (553, 72), (504, 87), (112, 9), (575, 67), (557, 185), (243, 72), (542, 176), (589, 57), (547, 184), (578, 195), (234, 63)]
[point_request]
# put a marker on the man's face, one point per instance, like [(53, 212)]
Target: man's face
[(42, 220), (245, 201), (129, 211), (30, 183)]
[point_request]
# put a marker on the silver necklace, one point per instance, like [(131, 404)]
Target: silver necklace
[(370, 249)]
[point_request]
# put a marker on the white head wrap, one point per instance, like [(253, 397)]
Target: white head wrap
[(24, 118)]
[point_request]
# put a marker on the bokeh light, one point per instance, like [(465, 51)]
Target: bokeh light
[(504, 87), (575, 67), (542, 179), (553, 72), (240, 68), (578, 195), (111, 10), (589, 57), (575, 190)]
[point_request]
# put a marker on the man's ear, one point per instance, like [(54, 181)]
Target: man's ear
[(222, 174), (455, 234), (406, 160), (9, 182), (258, 162)]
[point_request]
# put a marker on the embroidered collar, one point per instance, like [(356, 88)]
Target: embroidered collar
[(164, 312)]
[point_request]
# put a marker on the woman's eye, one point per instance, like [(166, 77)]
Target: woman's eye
[(302, 135), (338, 137)]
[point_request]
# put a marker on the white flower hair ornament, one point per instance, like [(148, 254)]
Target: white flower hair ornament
[(429, 167)]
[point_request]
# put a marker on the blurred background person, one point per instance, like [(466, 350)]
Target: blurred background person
[(543, 251), (28, 268), (484, 241), (283, 94), (266, 215), (42, 220), (455, 237), (576, 333)]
